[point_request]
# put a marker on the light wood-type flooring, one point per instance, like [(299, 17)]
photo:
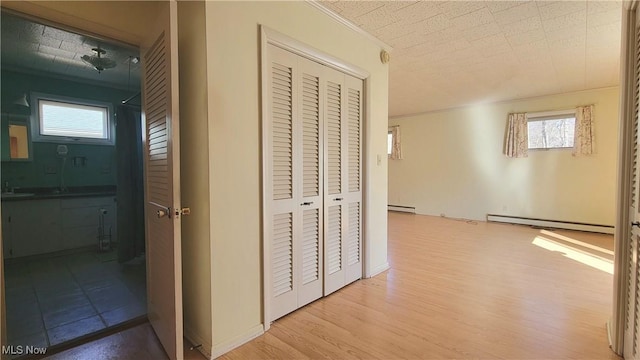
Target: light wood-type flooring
[(455, 290), (460, 290)]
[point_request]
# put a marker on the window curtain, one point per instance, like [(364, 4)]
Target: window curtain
[(517, 142), (584, 142), (396, 149)]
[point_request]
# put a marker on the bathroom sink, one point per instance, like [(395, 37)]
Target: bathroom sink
[(11, 195)]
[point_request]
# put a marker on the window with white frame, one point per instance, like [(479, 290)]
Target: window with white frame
[(63, 119), (551, 130), (389, 142)]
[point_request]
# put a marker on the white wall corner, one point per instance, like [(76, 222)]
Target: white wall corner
[(195, 339), (338, 18), (225, 347), (378, 270)]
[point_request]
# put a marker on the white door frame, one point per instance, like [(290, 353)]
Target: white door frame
[(625, 153), (269, 36), (80, 30)]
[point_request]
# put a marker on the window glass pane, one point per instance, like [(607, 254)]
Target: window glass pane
[(549, 134), (389, 143), (72, 120)]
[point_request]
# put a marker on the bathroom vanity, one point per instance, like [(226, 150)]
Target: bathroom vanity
[(46, 221)]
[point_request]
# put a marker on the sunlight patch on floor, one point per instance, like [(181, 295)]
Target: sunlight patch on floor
[(578, 255), (576, 242)]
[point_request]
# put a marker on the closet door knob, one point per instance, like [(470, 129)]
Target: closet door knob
[(306, 203), (337, 199)]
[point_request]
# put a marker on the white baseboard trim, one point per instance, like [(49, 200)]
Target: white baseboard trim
[(544, 223), (379, 269), (399, 208), (195, 339), (225, 347)]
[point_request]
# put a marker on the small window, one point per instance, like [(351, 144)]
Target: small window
[(389, 143), (551, 130), (58, 119)]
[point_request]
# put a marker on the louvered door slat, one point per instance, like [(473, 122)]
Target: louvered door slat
[(282, 127), (333, 240), (353, 237), (310, 246), (282, 255), (334, 137), (157, 147), (311, 135), (354, 139)]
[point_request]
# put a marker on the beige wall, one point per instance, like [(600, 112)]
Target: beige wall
[(194, 173), (233, 40), (222, 156), (453, 164)]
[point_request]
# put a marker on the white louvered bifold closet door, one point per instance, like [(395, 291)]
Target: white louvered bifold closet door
[(313, 180), (632, 331), (310, 164), (281, 175), (295, 174), (353, 191), (343, 196)]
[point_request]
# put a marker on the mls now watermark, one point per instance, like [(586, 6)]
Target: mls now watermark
[(23, 350)]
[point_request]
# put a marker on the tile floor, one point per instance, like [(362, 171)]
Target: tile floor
[(53, 300)]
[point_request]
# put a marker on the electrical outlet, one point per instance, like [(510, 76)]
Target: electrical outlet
[(50, 169)]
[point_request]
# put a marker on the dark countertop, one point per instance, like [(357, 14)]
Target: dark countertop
[(22, 194)]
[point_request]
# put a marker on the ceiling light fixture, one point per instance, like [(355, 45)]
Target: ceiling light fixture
[(97, 61)]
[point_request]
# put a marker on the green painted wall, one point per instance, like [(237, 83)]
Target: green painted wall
[(46, 168)]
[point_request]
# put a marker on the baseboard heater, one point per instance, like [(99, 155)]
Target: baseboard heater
[(545, 223), (407, 209)]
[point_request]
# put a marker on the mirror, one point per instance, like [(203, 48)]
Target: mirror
[(18, 142), (16, 139)]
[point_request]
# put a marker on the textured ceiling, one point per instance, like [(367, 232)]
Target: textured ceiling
[(456, 53), (39, 48)]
